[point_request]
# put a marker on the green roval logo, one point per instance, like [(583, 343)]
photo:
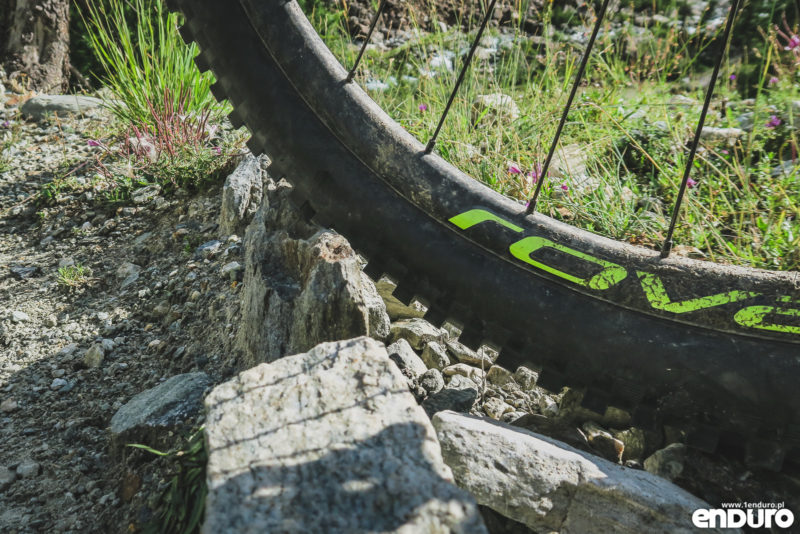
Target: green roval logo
[(611, 274)]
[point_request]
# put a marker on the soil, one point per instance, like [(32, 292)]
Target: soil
[(57, 471)]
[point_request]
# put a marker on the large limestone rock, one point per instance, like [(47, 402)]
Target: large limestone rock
[(327, 441), (550, 486), (148, 416), (302, 285), (241, 195)]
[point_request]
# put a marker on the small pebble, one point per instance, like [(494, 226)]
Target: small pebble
[(20, 317), (28, 469), (94, 356), (8, 405), (58, 383)]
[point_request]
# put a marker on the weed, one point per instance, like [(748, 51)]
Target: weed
[(145, 61), (73, 276), (182, 504)]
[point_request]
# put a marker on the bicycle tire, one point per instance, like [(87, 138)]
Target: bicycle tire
[(721, 360)]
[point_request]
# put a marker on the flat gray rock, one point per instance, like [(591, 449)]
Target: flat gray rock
[(146, 416), (325, 442), (550, 486), (40, 106)]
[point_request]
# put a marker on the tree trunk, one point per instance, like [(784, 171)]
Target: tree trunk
[(34, 42)]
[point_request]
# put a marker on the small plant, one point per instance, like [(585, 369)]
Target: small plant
[(73, 276), (182, 504), (146, 60)]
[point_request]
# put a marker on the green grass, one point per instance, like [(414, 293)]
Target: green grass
[(627, 123), (73, 276), (145, 60), (182, 504), (168, 128)]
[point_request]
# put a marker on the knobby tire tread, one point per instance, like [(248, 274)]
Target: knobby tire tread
[(344, 164)]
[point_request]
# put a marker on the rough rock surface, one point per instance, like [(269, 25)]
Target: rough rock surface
[(146, 417), (40, 106), (327, 441), (404, 356), (549, 486), (302, 286), (241, 195)]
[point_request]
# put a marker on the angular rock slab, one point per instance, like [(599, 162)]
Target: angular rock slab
[(327, 441), (302, 285), (550, 486), (148, 416), (241, 195)]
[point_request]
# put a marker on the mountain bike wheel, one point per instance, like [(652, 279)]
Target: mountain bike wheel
[(714, 348)]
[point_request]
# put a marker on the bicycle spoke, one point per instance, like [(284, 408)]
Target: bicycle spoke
[(352, 73), (578, 76), (461, 75), (667, 247)]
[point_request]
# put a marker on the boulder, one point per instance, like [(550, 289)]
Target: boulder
[(241, 195), (550, 486), (327, 441), (148, 416), (42, 105), (302, 285)]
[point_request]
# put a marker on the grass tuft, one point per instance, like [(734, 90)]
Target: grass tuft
[(182, 504), (73, 276), (146, 59)]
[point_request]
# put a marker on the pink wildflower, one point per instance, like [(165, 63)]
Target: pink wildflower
[(423, 107), (691, 183), (773, 121)]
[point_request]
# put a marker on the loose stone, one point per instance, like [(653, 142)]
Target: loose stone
[(94, 356), (434, 356), (28, 469), (432, 381)]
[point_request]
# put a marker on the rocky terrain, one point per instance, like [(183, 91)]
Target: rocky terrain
[(102, 300)]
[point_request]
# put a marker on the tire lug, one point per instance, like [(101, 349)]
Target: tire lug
[(186, 34), (704, 438), (764, 454), (403, 293), (595, 400)]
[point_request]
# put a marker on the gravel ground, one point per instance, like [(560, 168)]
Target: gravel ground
[(154, 307)]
